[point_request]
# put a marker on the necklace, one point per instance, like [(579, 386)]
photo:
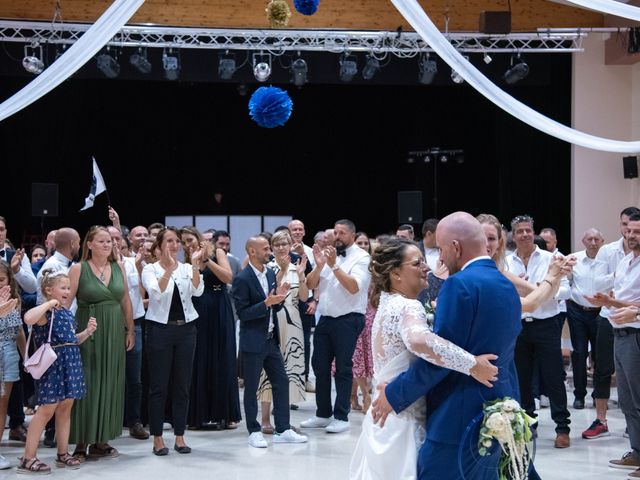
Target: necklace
[(101, 276)]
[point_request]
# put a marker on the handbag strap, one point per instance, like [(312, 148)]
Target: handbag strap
[(26, 353)]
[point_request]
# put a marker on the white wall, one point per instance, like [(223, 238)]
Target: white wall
[(606, 102)]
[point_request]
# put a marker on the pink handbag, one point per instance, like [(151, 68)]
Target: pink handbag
[(42, 358)]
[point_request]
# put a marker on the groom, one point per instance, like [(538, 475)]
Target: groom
[(478, 310)]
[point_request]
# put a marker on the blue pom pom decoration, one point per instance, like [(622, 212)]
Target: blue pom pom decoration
[(306, 7), (270, 107)]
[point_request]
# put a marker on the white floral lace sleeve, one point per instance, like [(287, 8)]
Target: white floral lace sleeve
[(427, 345)]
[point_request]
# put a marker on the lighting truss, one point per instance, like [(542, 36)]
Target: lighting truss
[(279, 41)]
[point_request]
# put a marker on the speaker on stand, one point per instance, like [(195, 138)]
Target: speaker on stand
[(410, 207), (44, 202), (630, 167)]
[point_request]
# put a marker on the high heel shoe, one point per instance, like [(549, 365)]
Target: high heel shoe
[(354, 403), (366, 403)]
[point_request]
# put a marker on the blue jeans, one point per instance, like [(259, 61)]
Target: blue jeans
[(133, 386)]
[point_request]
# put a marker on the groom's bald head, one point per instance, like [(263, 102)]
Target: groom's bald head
[(460, 238)]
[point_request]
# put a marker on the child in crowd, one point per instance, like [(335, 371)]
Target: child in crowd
[(63, 382)]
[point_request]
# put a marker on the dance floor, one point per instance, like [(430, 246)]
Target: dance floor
[(226, 455)]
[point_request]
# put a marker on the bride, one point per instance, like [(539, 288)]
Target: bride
[(399, 334)]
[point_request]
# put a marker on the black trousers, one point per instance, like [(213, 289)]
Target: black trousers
[(270, 359), (170, 351), (583, 326), (308, 322), (335, 338), (604, 367), (540, 341)]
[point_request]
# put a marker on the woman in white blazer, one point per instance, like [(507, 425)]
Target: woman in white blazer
[(171, 335)]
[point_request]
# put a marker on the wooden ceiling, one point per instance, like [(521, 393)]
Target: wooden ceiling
[(528, 15)]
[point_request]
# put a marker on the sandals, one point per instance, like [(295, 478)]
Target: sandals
[(33, 466), (65, 460), (106, 451), (231, 425), (80, 455)]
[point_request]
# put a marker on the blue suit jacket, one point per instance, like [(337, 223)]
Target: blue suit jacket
[(478, 310), (249, 298)]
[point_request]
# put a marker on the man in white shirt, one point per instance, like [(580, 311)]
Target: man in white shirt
[(428, 245), (341, 276), (540, 339), (610, 254), (405, 231), (19, 262), (307, 309), (626, 350), (583, 317)]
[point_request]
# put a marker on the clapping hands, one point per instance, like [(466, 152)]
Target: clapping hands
[(7, 304)]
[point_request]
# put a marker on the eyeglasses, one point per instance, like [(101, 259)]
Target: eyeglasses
[(416, 262), (280, 245)]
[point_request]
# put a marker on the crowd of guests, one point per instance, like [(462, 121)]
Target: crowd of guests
[(125, 300)]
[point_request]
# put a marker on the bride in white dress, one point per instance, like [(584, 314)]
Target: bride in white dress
[(400, 334)]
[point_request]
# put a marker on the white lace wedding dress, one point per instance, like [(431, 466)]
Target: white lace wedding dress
[(399, 334)]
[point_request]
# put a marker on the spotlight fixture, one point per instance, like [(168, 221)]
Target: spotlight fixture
[(444, 158), (455, 76), (487, 58), (348, 67), (299, 71), (516, 72), (370, 68), (140, 61), (428, 158), (411, 160), (171, 65), (108, 65), (31, 62), (427, 70), (261, 66), (226, 66)]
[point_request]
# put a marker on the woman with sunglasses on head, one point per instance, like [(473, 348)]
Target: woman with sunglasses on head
[(171, 334)]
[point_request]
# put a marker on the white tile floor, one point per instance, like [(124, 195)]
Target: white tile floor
[(226, 455)]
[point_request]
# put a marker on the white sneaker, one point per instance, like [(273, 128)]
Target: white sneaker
[(316, 422), (4, 463), (289, 436), (256, 440), (337, 426)]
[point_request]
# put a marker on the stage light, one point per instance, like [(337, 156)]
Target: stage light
[(516, 72), (226, 66), (487, 59), (261, 66), (427, 158), (299, 71), (108, 65), (31, 62), (455, 76), (371, 68), (444, 158), (171, 65), (348, 67), (411, 160), (427, 70), (140, 61)]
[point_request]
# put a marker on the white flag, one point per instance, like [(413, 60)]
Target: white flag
[(97, 187)]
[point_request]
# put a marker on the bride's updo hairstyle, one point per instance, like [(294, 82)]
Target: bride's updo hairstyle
[(388, 255)]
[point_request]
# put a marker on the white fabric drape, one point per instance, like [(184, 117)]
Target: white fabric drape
[(415, 15), (611, 7), (111, 21)]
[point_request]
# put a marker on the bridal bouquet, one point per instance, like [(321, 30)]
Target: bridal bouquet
[(506, 422), (430, 309)]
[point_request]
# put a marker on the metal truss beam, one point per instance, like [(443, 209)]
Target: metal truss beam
[(279, 41)]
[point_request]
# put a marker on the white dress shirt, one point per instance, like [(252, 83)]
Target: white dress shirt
[(562, 304), (432, 255), (610, 254), (58, 263), (264, 283), (626, 285), (536, 271), (25, 277), (587, 278), (133, 282), (160, 302), (335, 300)]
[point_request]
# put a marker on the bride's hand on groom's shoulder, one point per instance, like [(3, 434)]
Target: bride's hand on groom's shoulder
[(484, 371), (381, 408)]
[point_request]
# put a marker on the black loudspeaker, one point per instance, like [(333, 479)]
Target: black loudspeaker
[(495, 22), (410, 207), (630, 167), (44, 199)]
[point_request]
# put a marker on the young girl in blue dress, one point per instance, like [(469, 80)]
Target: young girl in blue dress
[(63, 382)]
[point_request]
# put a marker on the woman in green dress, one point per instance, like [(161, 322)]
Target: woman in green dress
[(100, 287)]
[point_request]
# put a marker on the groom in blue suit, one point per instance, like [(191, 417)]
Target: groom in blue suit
[(478, 310)]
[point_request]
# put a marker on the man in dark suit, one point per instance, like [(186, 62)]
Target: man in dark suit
[(257, 297), (478, 310)]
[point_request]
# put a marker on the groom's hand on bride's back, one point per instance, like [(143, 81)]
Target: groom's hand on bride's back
[(381, 406), (484, 371)]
